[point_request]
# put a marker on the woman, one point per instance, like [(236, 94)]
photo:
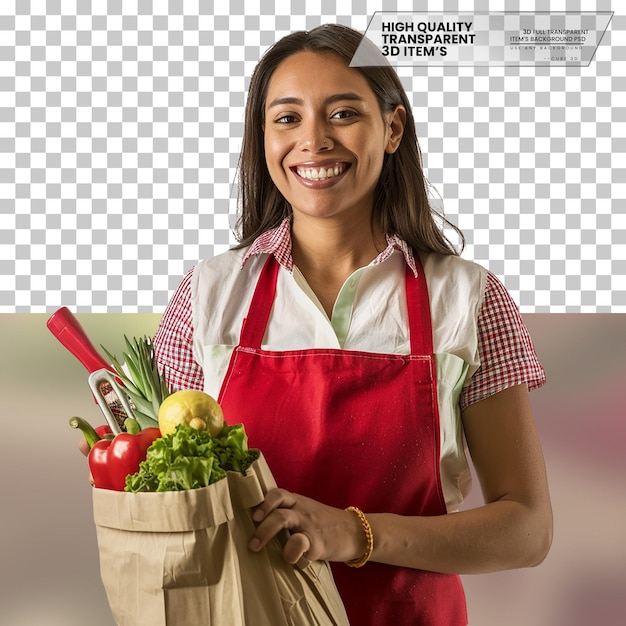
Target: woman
[(369, 351)]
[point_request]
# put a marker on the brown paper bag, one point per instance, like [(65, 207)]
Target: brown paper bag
[(181, 558)]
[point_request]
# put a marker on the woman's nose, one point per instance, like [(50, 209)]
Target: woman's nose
[(315, 137)]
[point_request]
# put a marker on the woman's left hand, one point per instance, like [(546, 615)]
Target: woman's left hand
[(317, 531)]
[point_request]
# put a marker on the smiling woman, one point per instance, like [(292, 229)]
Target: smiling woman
[(321, 118), (401, 203), (360, 351), (325, 140)]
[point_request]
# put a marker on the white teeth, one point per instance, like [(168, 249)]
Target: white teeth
[(321, 173)]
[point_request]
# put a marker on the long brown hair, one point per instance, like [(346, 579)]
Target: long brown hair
[(401, 202)]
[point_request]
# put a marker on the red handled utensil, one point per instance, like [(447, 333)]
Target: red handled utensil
[(68, 330), (104, 386)]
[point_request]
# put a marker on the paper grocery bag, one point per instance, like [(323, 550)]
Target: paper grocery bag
[(181, 558)]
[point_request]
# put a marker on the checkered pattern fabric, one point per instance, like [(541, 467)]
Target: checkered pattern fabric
[(121, 124)]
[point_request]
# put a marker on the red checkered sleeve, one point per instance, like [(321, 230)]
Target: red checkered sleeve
[(173, 342), (506, 353)]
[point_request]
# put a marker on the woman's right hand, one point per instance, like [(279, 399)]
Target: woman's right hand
[(83, 446)]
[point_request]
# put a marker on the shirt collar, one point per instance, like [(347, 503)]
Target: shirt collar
[(277, 241)]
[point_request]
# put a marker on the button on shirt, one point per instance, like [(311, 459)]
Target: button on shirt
[(480, 341)]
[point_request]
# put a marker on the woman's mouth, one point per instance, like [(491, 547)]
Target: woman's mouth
[(323, 172)]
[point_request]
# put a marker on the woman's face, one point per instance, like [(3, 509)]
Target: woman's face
[(325, 136)]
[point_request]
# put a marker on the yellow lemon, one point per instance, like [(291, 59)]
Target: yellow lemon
[(193, 407)]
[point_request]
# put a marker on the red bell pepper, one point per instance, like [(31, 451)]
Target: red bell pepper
[(103, 431), (111, 460)]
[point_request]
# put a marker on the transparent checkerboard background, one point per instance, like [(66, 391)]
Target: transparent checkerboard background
[(121, 124)]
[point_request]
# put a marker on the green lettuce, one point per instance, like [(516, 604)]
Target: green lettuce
[(191, 459)]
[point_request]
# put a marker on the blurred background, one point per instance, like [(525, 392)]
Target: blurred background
[(49, 571)]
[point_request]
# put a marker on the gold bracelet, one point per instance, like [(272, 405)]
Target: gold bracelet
[(369, 536)]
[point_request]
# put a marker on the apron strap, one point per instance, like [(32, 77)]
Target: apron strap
[(418, 308), (254, 325)]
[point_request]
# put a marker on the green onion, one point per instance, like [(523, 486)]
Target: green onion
[(143, 383)]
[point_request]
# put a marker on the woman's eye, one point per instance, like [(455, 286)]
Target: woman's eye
[(286, 119), (343, 115)]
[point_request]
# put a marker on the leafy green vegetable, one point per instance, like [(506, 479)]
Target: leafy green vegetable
[(191, 459)]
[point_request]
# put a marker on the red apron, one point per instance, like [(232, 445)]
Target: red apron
[(352, 428)]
